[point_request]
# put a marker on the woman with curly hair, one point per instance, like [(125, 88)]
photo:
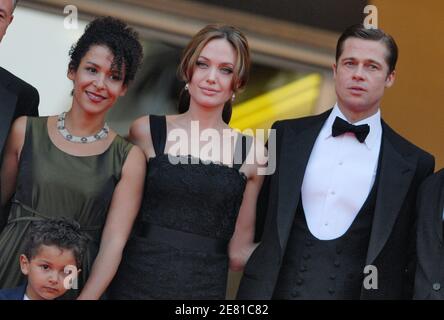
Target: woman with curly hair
[(73, 165)]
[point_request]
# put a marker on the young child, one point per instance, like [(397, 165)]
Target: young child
[(50, 261)]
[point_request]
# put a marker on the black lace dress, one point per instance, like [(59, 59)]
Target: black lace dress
[(178, 248)]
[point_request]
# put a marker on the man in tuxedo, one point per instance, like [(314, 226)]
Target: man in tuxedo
[(429, 280), (17, 98), (336, 220)]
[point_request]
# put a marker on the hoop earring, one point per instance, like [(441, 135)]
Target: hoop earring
[(186, 87)]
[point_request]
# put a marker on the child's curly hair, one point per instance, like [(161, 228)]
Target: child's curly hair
[(62, 233)]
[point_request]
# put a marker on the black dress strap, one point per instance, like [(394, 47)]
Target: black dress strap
[(158, 131), (241, 150)]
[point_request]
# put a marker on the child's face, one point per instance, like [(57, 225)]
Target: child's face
[(46, 272)]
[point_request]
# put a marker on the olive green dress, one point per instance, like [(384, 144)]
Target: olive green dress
[(52, 183)]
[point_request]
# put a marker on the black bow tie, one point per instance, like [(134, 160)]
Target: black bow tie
[(341, 126)]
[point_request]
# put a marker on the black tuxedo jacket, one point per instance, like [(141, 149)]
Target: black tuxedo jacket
[(403, 167), (17, 98), (429, 280)]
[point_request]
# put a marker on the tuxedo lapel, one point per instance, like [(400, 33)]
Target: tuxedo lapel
[(437, 208), (296, 150), (8, 101), (396, 173)]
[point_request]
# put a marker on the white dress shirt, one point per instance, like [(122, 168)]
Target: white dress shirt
[(339, 176)]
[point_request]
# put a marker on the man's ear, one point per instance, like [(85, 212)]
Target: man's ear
[(334, 70), (390, 79), (24, 264), (10, 20)]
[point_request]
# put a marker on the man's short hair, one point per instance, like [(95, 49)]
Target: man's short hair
[(14, 4), (360, 32), (60, 232)]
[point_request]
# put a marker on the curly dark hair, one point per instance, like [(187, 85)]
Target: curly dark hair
[(61, 232), (121, 40)]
